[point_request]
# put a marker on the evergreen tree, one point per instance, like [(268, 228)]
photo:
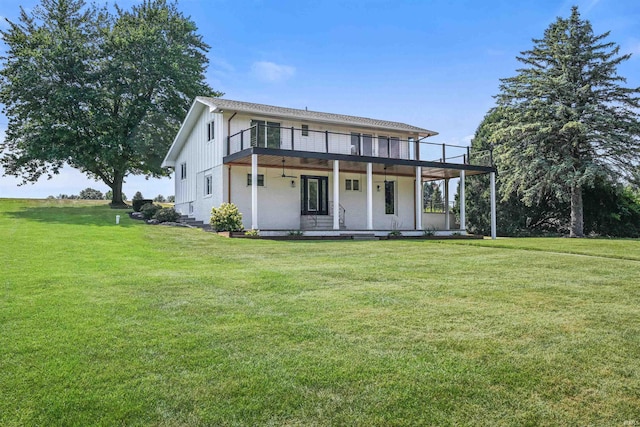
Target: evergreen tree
[(102, 92), (567, 121)]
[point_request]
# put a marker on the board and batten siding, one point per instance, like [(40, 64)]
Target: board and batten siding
[(202, 157)]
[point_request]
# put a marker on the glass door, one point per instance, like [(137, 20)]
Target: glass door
[(314, 195)]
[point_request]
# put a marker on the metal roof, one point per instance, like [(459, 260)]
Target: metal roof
[(293, 113)]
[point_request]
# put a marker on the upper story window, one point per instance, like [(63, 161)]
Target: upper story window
[(383, 146), (211, 130), (265, 134), (305, 130), (183, 171), (355, 144)]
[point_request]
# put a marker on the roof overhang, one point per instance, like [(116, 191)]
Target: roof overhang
[(185, 129), (221, 105)]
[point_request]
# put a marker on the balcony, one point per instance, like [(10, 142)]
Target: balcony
[(352, 144), (312, 149)]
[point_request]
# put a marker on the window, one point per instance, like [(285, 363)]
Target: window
[(389, 197), (260, 180), (211, 131), (352, 185), (355, 144), (305, 130), (367, 145), (183, 171), (394, 147), (383, 146), (208, 185), (265, 134)]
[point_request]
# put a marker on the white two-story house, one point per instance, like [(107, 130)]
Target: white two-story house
[(291, 169)]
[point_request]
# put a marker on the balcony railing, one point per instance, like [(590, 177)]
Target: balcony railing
[(355, 144)]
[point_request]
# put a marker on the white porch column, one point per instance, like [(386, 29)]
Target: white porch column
[(463, 218), (336, 195), (447, 222), (369, 196), (254, 191), (493, 204), (418, 197)]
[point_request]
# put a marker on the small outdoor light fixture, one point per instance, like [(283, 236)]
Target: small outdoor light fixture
[(293, 183), (378, 188)]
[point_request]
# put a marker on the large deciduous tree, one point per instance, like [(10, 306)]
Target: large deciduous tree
[(566, 119), (104, 92)]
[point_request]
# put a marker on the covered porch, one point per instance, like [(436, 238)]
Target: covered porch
[(324, 199)]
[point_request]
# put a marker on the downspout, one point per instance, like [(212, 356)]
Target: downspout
[(229, 167)]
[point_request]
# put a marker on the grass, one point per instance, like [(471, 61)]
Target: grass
[(141, 325)]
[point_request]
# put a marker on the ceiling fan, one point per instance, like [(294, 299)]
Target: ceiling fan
[(284, 175)]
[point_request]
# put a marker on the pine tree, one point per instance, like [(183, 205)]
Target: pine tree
[(567, 119)]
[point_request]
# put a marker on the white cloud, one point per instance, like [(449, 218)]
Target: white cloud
[(272, 72)]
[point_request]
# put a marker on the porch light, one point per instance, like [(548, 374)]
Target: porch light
[(293, 183), (378, 188)]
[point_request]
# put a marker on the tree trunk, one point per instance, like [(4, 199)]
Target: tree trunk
[(577, 212), (116, 190)]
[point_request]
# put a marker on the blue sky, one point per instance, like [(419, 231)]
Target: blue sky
[(434, 64)]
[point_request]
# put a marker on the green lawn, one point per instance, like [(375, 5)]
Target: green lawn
[(104, 324)]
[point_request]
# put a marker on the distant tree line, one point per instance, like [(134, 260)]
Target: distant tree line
[(93, 194)]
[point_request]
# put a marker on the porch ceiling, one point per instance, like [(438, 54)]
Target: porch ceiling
[(272, 158)]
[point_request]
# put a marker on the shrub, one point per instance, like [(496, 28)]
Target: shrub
[(226, 218), (252, 233), (295, 233), (149, 210), (166, 215), (139, 203), (394, 233)]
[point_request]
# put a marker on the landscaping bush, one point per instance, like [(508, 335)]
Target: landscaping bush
[(149, 210), (226, 218), (167, 215), (139, 203)]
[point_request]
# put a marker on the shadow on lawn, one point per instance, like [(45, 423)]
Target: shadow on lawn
[(89, 215)]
